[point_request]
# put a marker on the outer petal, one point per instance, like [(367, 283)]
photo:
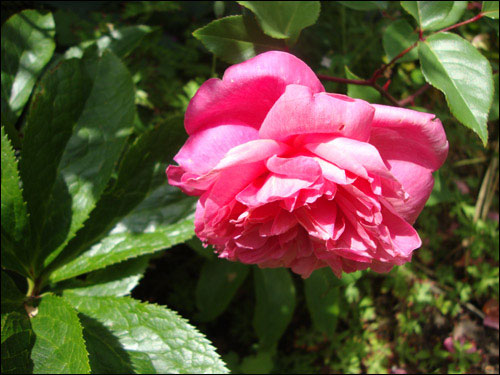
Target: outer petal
[(302, 111), (414, 145), (247, 91)]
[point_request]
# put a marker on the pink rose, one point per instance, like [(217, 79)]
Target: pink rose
[(292, 176)]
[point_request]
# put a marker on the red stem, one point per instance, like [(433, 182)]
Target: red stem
[(473, 19), (411, 98)]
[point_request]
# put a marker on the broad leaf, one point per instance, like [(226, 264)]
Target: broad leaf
[(284, 19), (494, 107), (456, 12), (27, 46), (365, 5), (323, 298), (490, 9), (17, 341), (218, 282), (275, 302), (430, 15), (236, 38), (154, 339), (12, 298), (361, 92), (59, 347), (116, 280), (122, 246), (398, 36), (15, 223), (455, 67)]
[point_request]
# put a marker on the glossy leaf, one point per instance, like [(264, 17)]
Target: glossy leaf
[(59, 347), (361, 92), (494, 107), (284, 19), (122, 246), (236, 38), (323, 297), (454, 15), (27, 46), (218, 283), (430, 15), (454, 66), (398, 36), (17, 341), (154, 339), (15, 223), (490, 9), (275, 302), (365, 5)]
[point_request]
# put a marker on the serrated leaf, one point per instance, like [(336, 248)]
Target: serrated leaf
[(494, 107), (429, 14), (17, 341), (490, 9), (116, 280), (122, 246), (361, 92), (15, 223), (454, 66), (27, 46), (275, 302), (397, 37), (218, 283), (236, 38), (284, 19), (135, 175), (59, 346), (323, 298), (155, 339), (12, 299), (365, 5)]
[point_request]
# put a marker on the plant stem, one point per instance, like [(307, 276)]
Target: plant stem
[(411, 98), (473, 19)]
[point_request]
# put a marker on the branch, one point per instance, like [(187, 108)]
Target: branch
[(411, 98)]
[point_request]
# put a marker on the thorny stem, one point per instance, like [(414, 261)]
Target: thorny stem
[(372, 81)]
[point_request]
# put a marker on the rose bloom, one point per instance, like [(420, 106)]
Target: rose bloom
[(292, 176)]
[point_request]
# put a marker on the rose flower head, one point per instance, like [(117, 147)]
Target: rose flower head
[(289, 175)]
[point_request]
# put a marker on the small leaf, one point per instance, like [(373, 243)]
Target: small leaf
[(155, 339), (284, 19), (275, 302), (116, 280), (398, 36), (324, 301), (490, 9), (454, 66), (218, 282), (122, 246), (59, 347), (365, 5), (429, 14), (27, 46), (17, 341), (361, 92), (236, 38), (15, 224)]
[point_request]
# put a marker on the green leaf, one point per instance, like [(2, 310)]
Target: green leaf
[(284, 19), (17, 341), (122, 246), (12, 298), (453, 16), (275, 302), (135, 174), (155, 339), (365, 5), (430, 15), (324, 301), (494, 107), (116, 280), (218, 282), (236, 38), (490, 9), (15, 223), (361, 92), (454, 66), (27, 46), (59, 347), (398, 36)]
